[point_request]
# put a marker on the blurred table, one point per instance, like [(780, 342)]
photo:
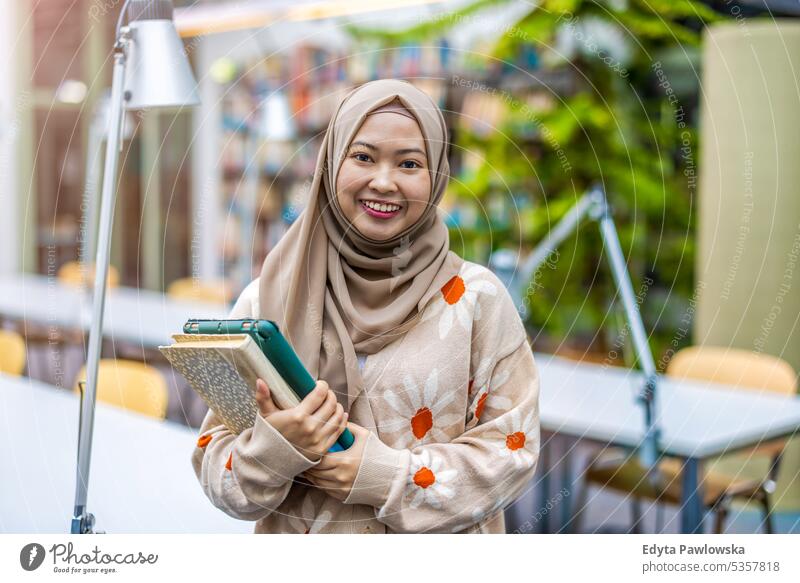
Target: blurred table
[(140, 317), (141, 478), (698, 420)]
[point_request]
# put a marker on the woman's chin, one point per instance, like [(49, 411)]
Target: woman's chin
[(380, 237), (376, 234)]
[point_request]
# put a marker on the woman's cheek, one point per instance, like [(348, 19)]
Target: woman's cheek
[(419, 203), (422, 192), (346, 188)]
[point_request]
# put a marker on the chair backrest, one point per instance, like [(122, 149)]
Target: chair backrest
[(12, 353), (131, 385), (75, 273), (735, 367), (189, 288)]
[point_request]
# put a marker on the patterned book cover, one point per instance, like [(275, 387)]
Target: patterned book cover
[(223, 370)]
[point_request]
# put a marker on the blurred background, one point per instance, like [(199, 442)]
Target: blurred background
[(687, 112)]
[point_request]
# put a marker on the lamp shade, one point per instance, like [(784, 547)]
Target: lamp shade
[(157, 73)]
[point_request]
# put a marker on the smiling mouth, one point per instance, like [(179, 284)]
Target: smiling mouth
[(380, 210)]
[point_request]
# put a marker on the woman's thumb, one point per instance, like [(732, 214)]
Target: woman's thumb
[(264, 399)]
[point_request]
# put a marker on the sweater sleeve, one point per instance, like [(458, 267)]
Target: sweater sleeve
[(247, 476), (448, 487)]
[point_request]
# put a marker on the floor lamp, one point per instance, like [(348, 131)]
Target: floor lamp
[(150, 71)]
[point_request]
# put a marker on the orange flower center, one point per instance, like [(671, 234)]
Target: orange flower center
[(515, 441), (424, 477), (453, 290), (421, 422), (480, 405)]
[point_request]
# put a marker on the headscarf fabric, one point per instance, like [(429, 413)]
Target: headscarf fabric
[(335, 293)]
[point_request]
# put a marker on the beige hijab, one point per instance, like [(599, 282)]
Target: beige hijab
[(334, 292)]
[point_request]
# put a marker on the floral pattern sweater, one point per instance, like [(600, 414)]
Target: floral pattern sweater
[(453, 412)]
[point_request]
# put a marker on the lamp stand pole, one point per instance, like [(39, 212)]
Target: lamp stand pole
[(82, 521), (94, 151)]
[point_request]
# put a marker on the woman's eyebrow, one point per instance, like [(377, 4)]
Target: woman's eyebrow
[(365, 144), (410, 151), (398, 152)]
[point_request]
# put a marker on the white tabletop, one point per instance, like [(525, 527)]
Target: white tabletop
[(697, 419), (136, 316), (141, 478)]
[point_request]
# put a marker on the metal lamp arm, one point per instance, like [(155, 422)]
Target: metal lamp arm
[(122, 13), (555, 237)]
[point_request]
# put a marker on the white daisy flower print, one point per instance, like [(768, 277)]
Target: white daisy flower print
[(486, 398), (428, 481), (421, 413), (309, 522), (459, 299), (518, 437), (481, 376)]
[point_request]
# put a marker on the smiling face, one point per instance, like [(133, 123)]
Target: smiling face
[(383, 186)]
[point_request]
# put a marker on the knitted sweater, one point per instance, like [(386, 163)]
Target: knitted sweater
[(452, 409)]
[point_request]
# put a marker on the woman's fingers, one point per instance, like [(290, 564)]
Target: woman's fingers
[(327, 410), (315, 398), (335, 422), (325, 465), (264, 399), (335, 425)]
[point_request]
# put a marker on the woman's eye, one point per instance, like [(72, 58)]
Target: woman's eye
[(410, 164), (361, 157)]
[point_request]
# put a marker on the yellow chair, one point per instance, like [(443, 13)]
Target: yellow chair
[(131, 385), (12, 353), (75, 273), (188, 288), (747, 370)]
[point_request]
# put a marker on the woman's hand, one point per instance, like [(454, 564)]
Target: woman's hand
[(312, 426), (337, 471)]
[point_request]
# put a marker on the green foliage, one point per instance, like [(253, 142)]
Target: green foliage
[(616, 126)]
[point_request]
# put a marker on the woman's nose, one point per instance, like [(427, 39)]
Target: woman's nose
[(382, 181)]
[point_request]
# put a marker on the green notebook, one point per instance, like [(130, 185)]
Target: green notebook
[(222, 359)]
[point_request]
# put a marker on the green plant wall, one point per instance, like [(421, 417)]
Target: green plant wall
[(625, 122)]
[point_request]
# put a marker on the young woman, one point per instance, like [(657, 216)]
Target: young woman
[(420, 353)]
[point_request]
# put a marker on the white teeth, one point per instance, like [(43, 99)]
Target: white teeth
[(382, 207)]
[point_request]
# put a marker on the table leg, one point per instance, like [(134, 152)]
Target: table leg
[(691, 497), (544, 484), (566, 484)]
